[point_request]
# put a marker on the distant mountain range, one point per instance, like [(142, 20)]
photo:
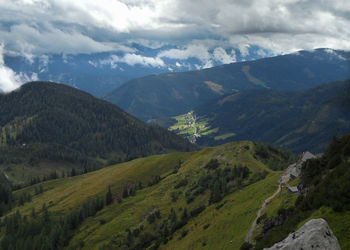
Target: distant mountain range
[(172, 94), (54, 122), (99, 73), (299, 120)]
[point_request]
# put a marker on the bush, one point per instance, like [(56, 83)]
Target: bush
[(246, 246), (181, 183), (184, 233), (197, 211), (212, 164), (206, 226)]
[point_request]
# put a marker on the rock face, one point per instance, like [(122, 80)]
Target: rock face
[(293, 170), (315, 234)]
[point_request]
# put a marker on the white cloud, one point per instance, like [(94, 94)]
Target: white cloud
[(262, 53), (9, 80), (93, 63), (244, 49), (191, 51), (133, 59), (200, 52), (220, 55), (43, 63), (208, 64), (334, 53)]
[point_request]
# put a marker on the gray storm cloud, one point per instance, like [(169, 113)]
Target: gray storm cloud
[(83, 26)]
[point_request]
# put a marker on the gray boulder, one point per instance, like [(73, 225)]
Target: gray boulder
[(315, 234)]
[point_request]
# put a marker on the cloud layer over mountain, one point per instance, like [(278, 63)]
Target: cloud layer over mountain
[(65, 26), (205, 30)]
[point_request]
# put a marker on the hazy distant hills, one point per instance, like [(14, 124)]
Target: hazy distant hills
[(99, 73), (176, 93), (298, 120), (94, 73), (49, 121)]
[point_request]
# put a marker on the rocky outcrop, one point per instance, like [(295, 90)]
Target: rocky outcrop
[(294, 170), (315, 234), (272, 223)]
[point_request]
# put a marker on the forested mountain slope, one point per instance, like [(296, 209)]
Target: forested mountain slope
[(304, 120), (49, 121), (167, 95)]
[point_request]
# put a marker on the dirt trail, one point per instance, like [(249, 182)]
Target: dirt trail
[(249, 236)]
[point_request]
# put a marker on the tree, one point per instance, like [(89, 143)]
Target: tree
[(45, 212), (73, 172), (246, 246), (125, 192), (184, 216), (33, 213), (109, 197), (215, 194)]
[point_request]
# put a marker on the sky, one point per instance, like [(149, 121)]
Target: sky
[(189, 28)]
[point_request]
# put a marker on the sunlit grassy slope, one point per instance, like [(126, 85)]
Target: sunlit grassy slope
[(221, 225)]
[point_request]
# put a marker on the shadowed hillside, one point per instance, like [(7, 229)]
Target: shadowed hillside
[(298, 120), (53, 122), (161, 95)]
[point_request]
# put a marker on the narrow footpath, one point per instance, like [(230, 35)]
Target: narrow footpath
[(249, 236)]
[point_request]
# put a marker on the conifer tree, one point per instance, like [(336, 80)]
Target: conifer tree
[(109, 197)]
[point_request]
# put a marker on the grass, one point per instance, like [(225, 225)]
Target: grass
[(188, 125), (338, 222), (240, 207), (284, 200), (23, 173), (294, 182), (224, 136), (214, 87), (69, 192), (211, 131), (228, 223), (251, 78)]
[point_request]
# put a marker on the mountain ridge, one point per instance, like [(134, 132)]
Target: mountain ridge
[(164, 95)]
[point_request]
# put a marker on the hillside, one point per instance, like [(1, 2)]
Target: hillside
[(297, 120), (53, 126), (201, 199), (206, 199), (173, 94), (324, 183)]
